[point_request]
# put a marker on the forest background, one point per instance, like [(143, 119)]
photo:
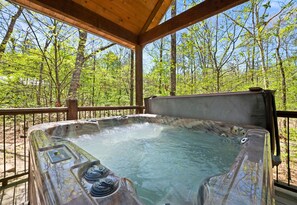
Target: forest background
[(43, 61)]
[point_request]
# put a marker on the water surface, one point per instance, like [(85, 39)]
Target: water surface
[(167, 164)]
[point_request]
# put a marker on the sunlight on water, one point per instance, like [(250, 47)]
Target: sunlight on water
[(166, 164)]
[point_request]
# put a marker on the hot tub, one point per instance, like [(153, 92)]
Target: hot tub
[(60, 168), (156, 158)]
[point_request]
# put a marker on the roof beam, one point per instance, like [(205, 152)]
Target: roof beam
[(77, 15), (152, 16), (193, 15)]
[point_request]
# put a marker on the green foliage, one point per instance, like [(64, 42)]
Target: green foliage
[(231, 52)]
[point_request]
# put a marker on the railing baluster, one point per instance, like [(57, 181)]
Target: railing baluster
[(4, 145), (14, 135), (25, 134), (288, 155), (276, 173), (13, 201), (1, 196), (26, 199)]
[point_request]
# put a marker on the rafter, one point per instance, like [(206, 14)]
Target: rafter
[(195, 14), (152, 16)]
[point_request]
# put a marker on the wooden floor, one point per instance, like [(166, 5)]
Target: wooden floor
[(18, 194), (14, 195), (284, 197)]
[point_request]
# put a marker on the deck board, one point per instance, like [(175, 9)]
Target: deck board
[(285, 197), (15, 195)]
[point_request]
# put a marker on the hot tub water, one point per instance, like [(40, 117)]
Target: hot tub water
[(167, 164)]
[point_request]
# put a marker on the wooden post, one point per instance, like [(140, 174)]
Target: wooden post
[(72, 109), (139, 77)]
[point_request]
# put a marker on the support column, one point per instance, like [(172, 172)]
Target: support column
[(139, 77), (72, 109)]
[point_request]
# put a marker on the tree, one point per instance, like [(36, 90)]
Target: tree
[(219, 38), (80, 60), (282, 29), (43, 48), (9, 30), (258, 32), (55, 54), (173, 54), (80, 57)]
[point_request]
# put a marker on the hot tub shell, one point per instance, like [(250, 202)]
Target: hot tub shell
[(249, 180), (61, 182)]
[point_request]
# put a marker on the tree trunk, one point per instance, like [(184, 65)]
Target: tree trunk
[(9, 31), (218, 79), (47, 43), (74, 84), (254, 42), (263, 64), (191, 65), (94, 80), (282, 70), (40, 83), (56, 67), (173, 55), (51, 94), (80, 60), (259, 39), (160, 67)]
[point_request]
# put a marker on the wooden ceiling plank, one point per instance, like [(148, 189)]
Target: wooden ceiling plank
[(152, 16), (195, 14), (81, 17), (122, 17), (133, 11), (121, 13)]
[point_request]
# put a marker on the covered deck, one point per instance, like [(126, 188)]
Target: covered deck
[(133, 24)]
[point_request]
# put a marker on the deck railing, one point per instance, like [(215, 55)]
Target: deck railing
[(14, 157), (285, 175), (14, 124), (98, 112)]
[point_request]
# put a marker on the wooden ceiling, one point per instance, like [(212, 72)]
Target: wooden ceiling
[(127, 22)]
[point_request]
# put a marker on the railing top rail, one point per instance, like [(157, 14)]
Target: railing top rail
[(98, 108), (291, 114), (16, 111)]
